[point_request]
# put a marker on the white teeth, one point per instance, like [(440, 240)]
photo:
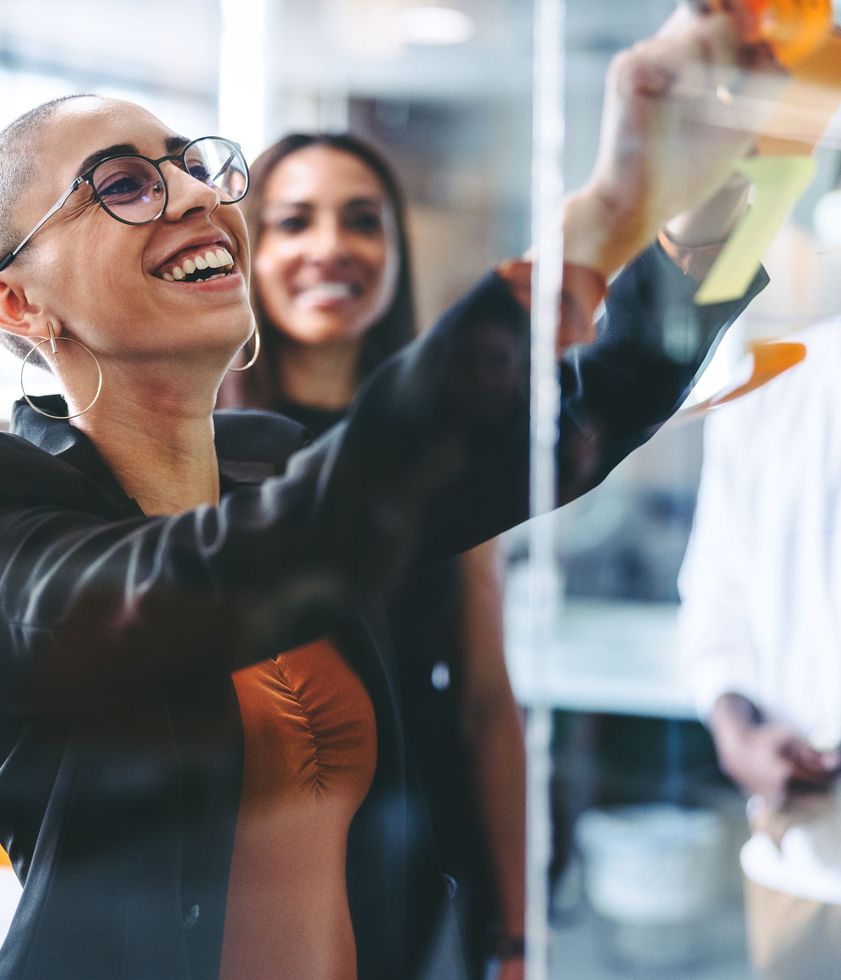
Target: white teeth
[(328, 291), (213, 258)]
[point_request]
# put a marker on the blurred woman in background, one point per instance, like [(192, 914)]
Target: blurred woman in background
[(332, 292)]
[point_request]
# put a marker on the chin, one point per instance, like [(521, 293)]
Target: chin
[(320, 328), (224, 333)]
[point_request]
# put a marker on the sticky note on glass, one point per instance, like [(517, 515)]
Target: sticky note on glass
[(778, 181), (764, 362)]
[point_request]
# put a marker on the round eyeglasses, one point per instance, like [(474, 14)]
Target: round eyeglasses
[(133, 189)]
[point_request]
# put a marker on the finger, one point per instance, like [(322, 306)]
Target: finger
[(820, 779), (727, 41), (747, 16), (638, 72), (816, 777), (759, 57), (705, 55), (807, 760), (807, 787), (689, 63)]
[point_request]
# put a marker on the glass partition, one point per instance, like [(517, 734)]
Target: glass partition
[(630, 640), (671, 650)]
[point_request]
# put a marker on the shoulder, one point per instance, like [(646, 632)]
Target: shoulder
[(15, 451), (250, 435), (34, 477)]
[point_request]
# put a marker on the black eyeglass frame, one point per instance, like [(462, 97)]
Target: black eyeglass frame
[(87, 178)]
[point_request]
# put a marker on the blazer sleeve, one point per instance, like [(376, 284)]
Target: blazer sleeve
[(432, 459)]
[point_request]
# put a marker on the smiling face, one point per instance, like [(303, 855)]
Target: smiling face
[(126, 290), (326, 262)]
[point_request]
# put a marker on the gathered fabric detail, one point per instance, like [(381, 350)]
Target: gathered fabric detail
[(310, 755)]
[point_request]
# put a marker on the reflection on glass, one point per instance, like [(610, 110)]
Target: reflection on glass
[(255, 715), (656, 851)]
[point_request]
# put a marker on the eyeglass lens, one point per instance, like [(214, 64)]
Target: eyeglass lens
[(219, 164), (132, 190)]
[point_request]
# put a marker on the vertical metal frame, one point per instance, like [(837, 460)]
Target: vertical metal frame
[(544, 577)]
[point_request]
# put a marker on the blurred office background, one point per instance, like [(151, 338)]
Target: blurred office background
[(645, 878), (444, 89)]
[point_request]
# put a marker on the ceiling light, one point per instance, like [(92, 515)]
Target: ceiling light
[(435, 25)]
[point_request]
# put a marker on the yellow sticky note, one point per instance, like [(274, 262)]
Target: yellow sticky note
[(777, 184)]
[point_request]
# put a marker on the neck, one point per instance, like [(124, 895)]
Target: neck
[(158, 443), (320, 377)]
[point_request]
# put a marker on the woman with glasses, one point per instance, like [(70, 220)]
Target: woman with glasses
[(178, 796)]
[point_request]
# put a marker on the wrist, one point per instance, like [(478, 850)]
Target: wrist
[(693, 260), (733, 719), (711, 223), (735, 711), (601, 232)]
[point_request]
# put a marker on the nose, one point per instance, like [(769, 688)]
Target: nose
[(186, 194), (327, 241)]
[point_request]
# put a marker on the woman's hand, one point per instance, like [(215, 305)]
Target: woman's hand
[(672, 131)]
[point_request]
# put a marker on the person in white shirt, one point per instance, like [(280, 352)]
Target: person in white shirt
[(761, 639)]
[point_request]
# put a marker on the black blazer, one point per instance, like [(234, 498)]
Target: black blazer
[(120, 735)]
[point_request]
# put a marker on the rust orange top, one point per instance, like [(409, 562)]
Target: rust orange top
[(310, 755)]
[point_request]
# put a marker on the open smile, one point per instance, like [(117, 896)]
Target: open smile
[(197, 264), (327, 293)]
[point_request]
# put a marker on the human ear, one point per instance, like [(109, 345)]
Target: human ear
[(20, 316)]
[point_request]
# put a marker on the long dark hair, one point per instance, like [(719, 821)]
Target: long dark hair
[(259, 387)]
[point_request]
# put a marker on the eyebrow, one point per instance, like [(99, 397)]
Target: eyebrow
[(354, 202), (172, 144)]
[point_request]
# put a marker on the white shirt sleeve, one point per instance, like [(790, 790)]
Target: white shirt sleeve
[(717, 653)]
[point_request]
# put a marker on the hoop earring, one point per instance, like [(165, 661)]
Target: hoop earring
[(52, 340), (255, 333)]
